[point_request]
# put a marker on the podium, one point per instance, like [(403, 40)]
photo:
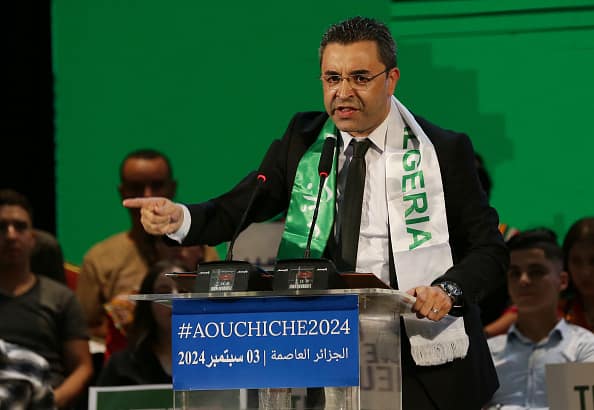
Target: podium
[(258, 349)]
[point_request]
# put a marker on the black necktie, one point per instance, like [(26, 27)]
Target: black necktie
[(350, 207)]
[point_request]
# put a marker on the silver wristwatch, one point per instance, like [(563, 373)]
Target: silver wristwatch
[(455, 293)]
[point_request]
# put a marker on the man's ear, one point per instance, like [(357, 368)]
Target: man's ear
[(393, 76), (563, 280)]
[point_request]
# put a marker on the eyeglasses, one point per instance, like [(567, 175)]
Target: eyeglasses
[(356, 81)]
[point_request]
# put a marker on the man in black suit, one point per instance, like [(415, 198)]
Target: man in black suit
[(425, 226)]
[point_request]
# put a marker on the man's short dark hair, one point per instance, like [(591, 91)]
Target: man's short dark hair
[(537, 238), (146, 153), (9, 197), (362, 29)]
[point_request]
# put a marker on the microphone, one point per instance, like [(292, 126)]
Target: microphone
[(324, 168)]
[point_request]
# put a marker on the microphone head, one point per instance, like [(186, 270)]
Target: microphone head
[(267, 166), (327, 156)]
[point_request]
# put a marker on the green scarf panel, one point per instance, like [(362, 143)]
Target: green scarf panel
[(303, 202)]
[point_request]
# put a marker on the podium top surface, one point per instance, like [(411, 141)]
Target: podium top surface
[(399, 300), (153, 297)]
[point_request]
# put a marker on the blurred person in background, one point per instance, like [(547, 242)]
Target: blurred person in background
[(147, 359), (118, 264), (540, 335), (37, 313), (577, 301), (115, 267)]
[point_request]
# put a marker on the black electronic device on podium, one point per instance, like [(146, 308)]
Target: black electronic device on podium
[(307, 272)]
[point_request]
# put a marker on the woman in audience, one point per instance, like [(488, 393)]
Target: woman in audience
[(578, 251), (147, 359)]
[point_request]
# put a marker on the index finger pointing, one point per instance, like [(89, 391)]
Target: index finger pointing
[(139, 202)]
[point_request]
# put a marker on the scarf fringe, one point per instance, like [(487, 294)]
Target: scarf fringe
[(430, 354)]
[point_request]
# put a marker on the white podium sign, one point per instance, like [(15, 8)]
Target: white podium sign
[(570, 386)]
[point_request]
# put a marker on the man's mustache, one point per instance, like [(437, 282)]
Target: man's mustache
[(346, 103)]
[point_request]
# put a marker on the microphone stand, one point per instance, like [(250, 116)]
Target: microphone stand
[(314, 218), (261, 179), (231, 275)]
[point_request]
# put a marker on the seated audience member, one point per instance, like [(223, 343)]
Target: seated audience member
[(24, 379), (539, 337), (115, 267), (47, 258), (118, 264), (577, 301), (38, 313), (147, 359), (120, 309)]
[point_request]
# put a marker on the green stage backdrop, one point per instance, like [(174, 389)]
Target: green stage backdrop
[(211, 84), (517, 76)]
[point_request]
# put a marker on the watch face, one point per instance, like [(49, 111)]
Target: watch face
[(455, 293), (451, 289), (454, 289)]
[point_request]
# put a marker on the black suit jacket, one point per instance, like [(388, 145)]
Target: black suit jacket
[(479, 253)]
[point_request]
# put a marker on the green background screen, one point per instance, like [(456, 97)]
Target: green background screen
[(211, 84)]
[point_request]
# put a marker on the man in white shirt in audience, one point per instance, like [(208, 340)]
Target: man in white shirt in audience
[(539, 337)]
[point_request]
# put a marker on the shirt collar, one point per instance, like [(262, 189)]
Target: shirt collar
[(559, 332)]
